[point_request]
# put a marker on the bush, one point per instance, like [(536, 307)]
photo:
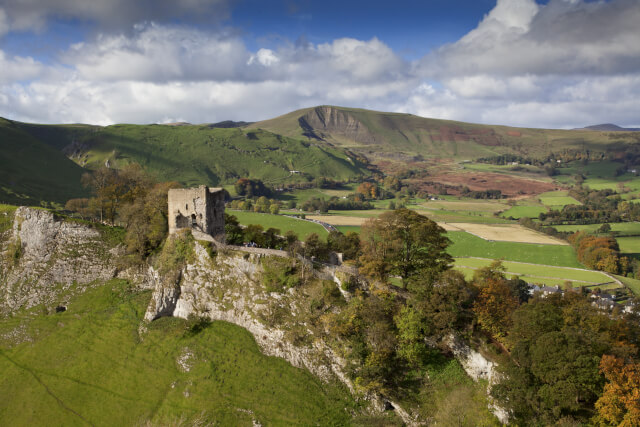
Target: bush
[(14, 251), (279, 274), (177, 251)]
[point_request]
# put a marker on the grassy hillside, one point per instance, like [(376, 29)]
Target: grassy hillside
[(196, 155), (380, 132), (32, 171), (93, 365)]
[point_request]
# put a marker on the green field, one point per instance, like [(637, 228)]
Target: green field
[(540, 273), (93, 365), (629, 245), (622, 228), (518, 212), (557, 199), (465, 244), (633, 284), (283, 223), (347, 228)]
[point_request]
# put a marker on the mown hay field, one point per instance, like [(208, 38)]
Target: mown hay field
[(508, 233)]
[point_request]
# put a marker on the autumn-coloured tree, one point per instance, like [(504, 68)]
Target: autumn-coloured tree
[(620, 403), (494, 306), (601, 253), (369, 190)]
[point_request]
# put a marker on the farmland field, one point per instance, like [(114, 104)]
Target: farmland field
[(465, 244), (633, 284), (629, 245), (338, 219), (585, 277), (347, 228), (283, 223), (518, 212), (623, 228), (463, 205), (557, 199), (508, 233)]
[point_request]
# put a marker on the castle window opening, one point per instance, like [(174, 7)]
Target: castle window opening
[(194, 221), (186, 207)]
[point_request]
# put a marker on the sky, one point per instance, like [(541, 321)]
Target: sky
[(550, 64)]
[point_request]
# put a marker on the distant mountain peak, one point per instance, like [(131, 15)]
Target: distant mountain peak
[(609, 127)]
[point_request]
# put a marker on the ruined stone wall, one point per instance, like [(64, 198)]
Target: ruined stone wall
[(199, 208)]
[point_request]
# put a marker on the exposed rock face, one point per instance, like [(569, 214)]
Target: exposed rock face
[(332, 121), (231, 290), (478, 368), (54, 254)]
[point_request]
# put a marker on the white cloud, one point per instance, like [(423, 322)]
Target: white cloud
[(265, 57), (13, 69), (518, 37), (160, 53), (565, 64)]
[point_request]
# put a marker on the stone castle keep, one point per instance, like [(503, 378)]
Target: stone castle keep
[(200, 209)]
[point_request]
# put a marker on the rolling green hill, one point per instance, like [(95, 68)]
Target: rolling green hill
[(33, 171), (194, 155), (322, 141), (393, 133)]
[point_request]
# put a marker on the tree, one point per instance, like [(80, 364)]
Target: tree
[(348, 245), (112, 188), (145, 218), (251, 188), (315, 247), (232, 230), (446, 304), (404, 243), (254, 233), (494, 305), (620, 402), (604, 228), (557, 343)]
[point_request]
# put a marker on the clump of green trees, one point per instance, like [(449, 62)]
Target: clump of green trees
[(561, 358), (258, 204), (127, 197)]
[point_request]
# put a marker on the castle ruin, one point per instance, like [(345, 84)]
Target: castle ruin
[(200, 209)]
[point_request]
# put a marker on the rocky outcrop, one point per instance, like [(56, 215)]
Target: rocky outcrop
[(52, 256), (229, 287), (477, 367), (330, 122)]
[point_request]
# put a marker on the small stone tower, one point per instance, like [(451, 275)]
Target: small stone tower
[(200, 208)]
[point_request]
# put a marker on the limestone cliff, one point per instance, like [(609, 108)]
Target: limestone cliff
[(230, 287), (44, 258), (50, 255), (330, 122)]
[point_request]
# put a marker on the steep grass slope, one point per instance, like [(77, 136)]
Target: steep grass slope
[(31, 171), (380, 132), (94, 365), (196, 155)]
